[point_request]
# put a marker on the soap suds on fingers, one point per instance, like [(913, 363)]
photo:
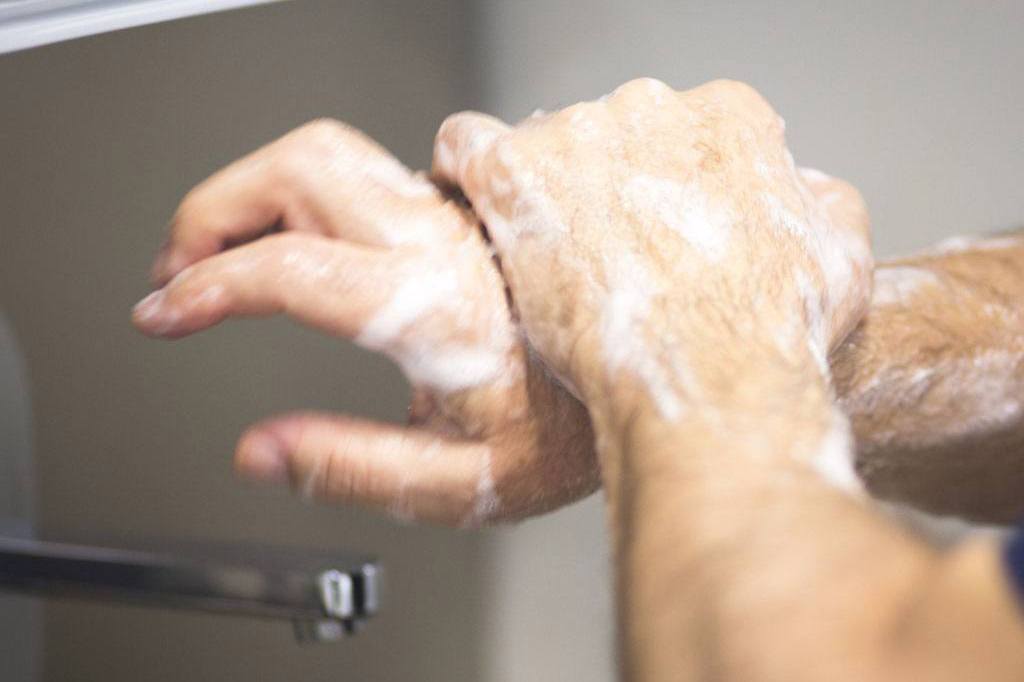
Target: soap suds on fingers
[(416, 297), (410, 328)]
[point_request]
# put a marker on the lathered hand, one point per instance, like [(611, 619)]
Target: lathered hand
[(544, 459), (669, 261), (325, 226), (665, 253)]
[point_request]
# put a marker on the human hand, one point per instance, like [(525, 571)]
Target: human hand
[(664, 237), (536, 488), (368, 251)]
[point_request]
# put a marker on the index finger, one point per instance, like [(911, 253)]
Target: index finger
[(323, 177)]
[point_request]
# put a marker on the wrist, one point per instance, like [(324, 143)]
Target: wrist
[(766, 411)]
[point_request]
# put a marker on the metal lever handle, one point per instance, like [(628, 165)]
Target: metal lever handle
[(326, 595)]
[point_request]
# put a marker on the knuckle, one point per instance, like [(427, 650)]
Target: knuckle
[(730, 86), (649, 85), (584, 122), (572, 114), (642, 89), (292, 167), (453, 123), (742, 96), (322, 133), (308, 148), (468, 133), (189, 210)]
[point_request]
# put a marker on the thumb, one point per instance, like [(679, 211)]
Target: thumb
[(461, 142), (413, 474)]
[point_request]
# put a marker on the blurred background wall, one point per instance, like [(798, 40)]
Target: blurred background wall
[(918, 103)]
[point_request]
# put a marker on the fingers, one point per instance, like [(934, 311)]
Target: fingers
[(321, 282), (324, 177), (242, 200), (461, 141), (412, 474)]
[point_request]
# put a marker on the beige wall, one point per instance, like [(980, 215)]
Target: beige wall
[(98, 140), (919, 103)]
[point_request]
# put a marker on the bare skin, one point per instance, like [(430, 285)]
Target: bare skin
[(738, 557), (539, 436), (933, 380), (370, 252)]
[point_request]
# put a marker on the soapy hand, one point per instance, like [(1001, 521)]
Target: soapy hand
[(662, 244), (357, 226), (327, 227)]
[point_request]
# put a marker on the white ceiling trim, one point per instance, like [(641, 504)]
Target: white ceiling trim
[(31, 23)]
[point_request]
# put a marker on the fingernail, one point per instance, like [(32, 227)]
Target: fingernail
[(154, 316), (149, 308), (264, 461)]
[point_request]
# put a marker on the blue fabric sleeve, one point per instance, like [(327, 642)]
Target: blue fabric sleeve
[(1013, 557)]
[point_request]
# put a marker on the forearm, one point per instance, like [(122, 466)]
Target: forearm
[(670, 262), (713, 511), (777, 576), (932, 378), (932, 381), (737, 562)]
